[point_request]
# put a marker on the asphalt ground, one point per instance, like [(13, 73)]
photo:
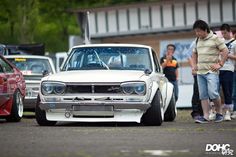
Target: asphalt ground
[(181, 138)]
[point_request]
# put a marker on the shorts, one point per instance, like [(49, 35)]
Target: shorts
[(208, 85)]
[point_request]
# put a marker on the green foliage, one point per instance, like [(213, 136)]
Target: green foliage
[(44, 21)]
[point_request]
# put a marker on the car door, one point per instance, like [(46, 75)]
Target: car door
[(7, 81), (3, 86)]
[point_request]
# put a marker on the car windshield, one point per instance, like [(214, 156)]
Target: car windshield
[(31, 66), (110, 58)]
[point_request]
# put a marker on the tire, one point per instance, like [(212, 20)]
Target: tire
[(153, 116), (40, 116), (170, 113), (17, 108)]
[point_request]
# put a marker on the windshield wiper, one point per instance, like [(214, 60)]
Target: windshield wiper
[(101, 61)]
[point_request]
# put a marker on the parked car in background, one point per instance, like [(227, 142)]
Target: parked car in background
[(107, 83), (12, 91), (60, 57), (34, 68), (3, 49)]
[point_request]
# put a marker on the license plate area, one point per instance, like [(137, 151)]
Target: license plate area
[(93, 111)]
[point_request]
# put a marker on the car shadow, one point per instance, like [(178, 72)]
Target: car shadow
[(98, 124)]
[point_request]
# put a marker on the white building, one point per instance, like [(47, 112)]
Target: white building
[(158, 24)]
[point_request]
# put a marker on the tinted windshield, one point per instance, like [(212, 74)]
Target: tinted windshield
[(31, 66), (114, 58)]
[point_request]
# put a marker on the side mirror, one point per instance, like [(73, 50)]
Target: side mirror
[(147, 71), (45, 73)]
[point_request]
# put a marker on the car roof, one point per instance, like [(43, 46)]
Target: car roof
[(112, 45)]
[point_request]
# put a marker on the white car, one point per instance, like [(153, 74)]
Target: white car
[(33, 68), (107, 83)]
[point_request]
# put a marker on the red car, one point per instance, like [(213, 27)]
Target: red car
[(12, 91)]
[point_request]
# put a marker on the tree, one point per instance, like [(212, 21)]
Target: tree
[(45, 21), (8, 18), (28, 20)]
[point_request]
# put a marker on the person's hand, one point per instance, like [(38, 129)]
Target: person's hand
[(194, 72), (169, 58), (194, 69), (215, 67)]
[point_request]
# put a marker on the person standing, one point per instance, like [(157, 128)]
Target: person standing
[(227, 71), (209, 48), (196, 103), (170, 68), (234, 86)]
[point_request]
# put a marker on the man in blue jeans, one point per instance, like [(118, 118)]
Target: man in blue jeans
[(209, 48), (170, 68)]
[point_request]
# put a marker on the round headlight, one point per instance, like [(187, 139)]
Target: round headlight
[(59, 89), (128, 89), (140, 89), (47, 88)]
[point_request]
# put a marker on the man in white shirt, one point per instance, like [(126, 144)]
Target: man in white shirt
[(227, 71)]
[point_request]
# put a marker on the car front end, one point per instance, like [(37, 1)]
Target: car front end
[(110, 97), (107, 83), (33, 68)]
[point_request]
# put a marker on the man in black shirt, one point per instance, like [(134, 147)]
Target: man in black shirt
[(170, 68)]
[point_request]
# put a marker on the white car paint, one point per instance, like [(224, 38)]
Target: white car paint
[(57, 107)]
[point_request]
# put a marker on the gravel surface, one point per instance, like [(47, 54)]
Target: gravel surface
[(180, 138)]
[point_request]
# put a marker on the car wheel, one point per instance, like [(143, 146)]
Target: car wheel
[(170, 113), (17, 108), (40, 116), (154, 114)]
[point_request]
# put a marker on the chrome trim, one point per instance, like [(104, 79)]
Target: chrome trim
[(117, 105)]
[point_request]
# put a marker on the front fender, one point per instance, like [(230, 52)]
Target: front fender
[(166, 90), (169, 92), (152, 90)]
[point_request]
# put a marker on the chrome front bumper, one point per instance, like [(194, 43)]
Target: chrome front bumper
[(143, 106), (112, 111)]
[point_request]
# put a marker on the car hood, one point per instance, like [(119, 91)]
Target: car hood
[(97, 76)]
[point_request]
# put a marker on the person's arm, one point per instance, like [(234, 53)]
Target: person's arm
[(165, 60), (233, 56), (223, 55), (194, 61), (177, 73), (163, 64), (190, 61), (190, 52)]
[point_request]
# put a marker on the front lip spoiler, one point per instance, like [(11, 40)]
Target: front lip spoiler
[(117, 105)]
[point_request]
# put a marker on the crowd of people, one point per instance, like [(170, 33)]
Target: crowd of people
[(213, 63)]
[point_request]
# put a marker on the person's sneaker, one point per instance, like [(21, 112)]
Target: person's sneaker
[(212, 115), (233, 116), (201, 119), (196, 117), (227, 116), (219, 118)]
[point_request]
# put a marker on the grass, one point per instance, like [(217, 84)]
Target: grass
[(184, 115)]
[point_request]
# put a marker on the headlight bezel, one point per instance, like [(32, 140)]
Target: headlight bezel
[(53, 86), (133, 87)]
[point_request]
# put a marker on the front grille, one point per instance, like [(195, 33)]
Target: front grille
[(78, 89), (93, 89)]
